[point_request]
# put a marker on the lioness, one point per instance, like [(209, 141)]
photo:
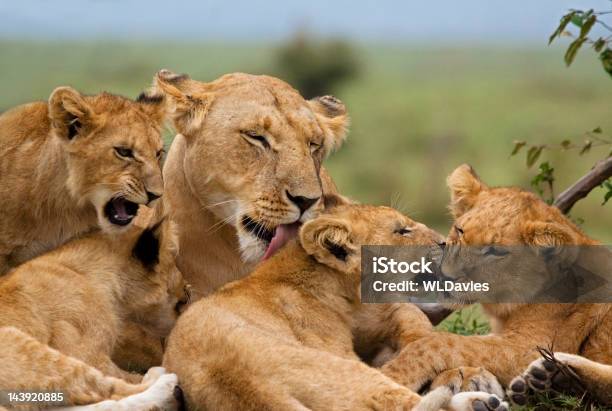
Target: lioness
[(507, 216), (282, 338), (244, 171), (72, 164), (61, 313)]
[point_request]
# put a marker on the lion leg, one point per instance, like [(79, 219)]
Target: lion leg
[(566, 373), (421, 361), (28, 364), (384, 329)]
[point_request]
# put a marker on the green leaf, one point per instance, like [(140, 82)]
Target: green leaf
[(562, 25), (587, 25), (577, 18), (572, 50), (606, 60), (608, 186), (517, 147), (599, 44), (586, 147), (565, 144), (533, 154)]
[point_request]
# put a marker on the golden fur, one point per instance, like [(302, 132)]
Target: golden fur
[(507, 216), (282, 338), (59, 167), (246, 142), (61, 313)]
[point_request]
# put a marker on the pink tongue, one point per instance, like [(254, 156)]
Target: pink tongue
[(119, 205), (283, 234)]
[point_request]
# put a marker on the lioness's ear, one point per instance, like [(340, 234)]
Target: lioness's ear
[(464, 187), (334, 120), (329, 240), (69, 112), (187, 106), (546, 234)]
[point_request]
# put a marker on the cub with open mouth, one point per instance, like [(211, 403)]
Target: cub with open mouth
[(75, 163)]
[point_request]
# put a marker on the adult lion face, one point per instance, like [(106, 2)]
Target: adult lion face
[(254, 152), (114, 149)]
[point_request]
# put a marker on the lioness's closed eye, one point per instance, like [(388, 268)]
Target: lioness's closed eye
[(74, 163)]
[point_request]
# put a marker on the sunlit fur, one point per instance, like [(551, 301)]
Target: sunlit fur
[(62, 313), (59, 168), (508, 216), (282, 338), (217, 175)]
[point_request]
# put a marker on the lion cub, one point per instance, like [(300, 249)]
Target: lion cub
[(61, 313), (74, 163), (505, 216), (282, 338)]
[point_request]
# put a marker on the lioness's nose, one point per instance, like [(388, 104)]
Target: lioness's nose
[(303, 203)]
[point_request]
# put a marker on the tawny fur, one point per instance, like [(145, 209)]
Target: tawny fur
[(282, 338), (217, 175), (54, 184), (508, 216), (61, 313)]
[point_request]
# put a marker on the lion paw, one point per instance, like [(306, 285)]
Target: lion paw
[(469, 379), (477, 401), (544, 375)]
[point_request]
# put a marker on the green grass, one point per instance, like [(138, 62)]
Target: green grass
[(416, 113)]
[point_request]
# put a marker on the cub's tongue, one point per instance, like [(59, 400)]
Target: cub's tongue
[(120, 211), (282, 235)]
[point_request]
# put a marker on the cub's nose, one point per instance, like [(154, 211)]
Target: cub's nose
[(152, 196), (303, 203)]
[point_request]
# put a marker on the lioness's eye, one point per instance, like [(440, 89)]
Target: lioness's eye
[(160, 153), (124, 152), (256, 139), (459, 230), (403, 231)]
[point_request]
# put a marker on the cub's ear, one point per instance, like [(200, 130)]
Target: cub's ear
[(464, 185), (334, 119), (329, 240), (146, 248), (155, 105), (69, 112), (188, 103), (546, 234)]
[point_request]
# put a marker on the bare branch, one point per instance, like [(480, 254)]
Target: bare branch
[(581, 188)]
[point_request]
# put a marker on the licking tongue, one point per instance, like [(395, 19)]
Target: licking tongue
[(282, 235), (121, 212)]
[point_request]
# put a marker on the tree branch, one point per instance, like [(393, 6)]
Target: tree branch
[(581, 188)]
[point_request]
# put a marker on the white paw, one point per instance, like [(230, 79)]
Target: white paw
[(477, 401), (153, 374), (162, 395)]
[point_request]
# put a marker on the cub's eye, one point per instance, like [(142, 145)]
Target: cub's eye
[(498, 252), (403, 231), (256, 139), (160, 153), (124, 152), (459, 230), (314, 147)]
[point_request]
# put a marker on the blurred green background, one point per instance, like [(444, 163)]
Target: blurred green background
[(417, 112)]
